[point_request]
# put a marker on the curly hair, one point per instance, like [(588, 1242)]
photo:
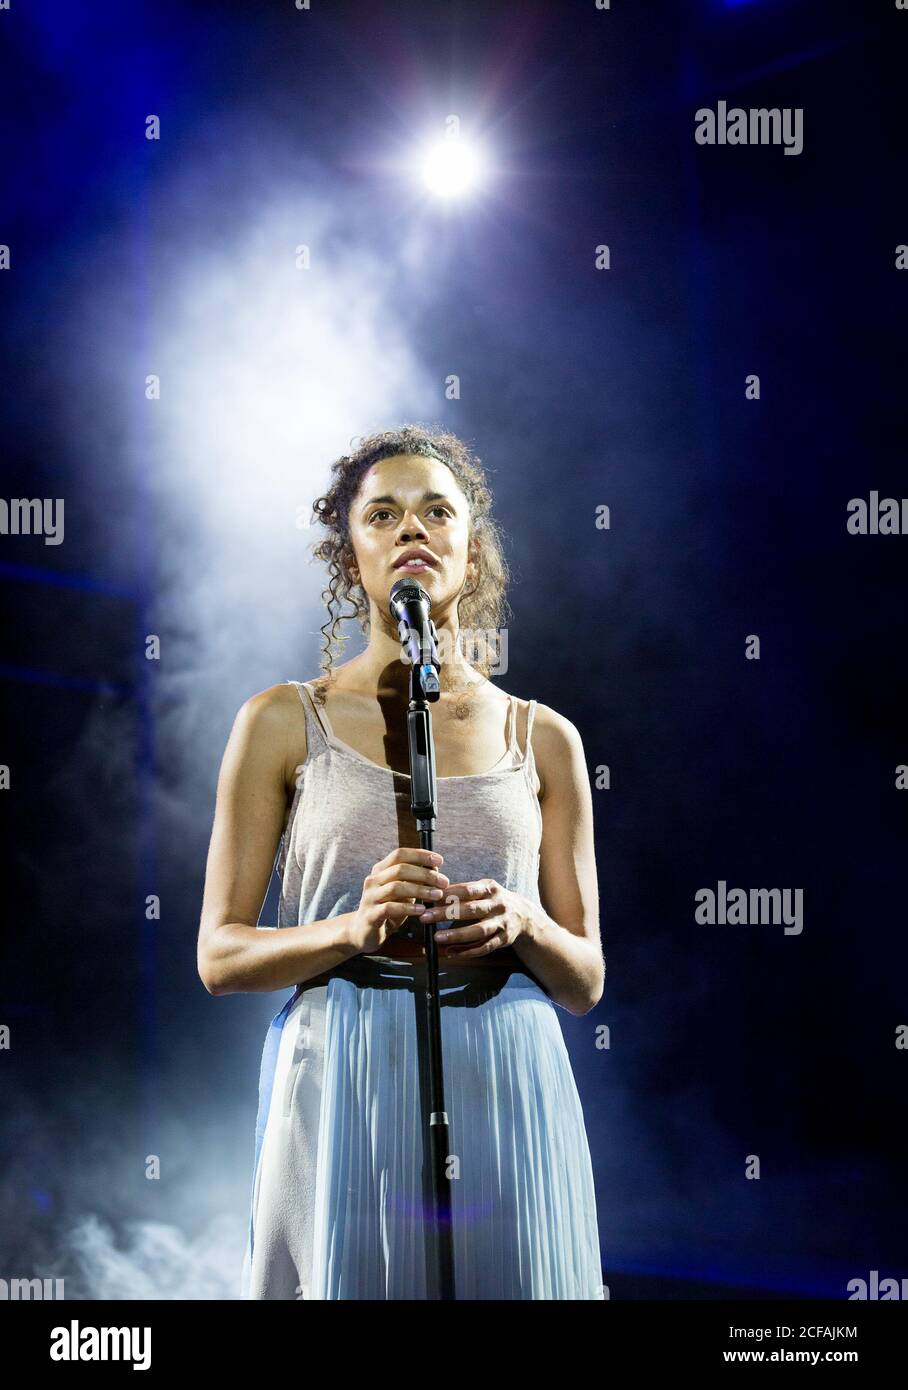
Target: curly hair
[(481, 609)]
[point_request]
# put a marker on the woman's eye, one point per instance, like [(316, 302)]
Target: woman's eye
[(384, 512)]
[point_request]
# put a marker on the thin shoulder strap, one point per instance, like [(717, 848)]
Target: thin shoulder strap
[(316, 737), (526, 751), (513, 745), (529, 761), (531, 711)]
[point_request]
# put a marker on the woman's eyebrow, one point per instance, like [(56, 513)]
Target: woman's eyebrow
[(427, 497)]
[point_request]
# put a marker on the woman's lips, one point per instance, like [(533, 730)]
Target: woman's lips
[(414, 565)]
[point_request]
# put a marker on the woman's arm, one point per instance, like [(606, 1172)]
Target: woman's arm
[(562, 944), (234, 955)]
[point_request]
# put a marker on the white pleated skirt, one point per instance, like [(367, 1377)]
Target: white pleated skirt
[(338, 1194)]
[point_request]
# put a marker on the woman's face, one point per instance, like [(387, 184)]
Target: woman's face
[(409, 502)]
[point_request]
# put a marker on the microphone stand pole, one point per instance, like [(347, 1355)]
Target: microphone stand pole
[(423, 795)]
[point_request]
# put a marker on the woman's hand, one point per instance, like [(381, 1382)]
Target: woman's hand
[(395, 889), (498, 918)]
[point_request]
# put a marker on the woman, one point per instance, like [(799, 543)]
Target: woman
[(319, 769)]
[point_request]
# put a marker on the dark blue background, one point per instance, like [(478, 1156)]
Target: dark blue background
[(727, 518)]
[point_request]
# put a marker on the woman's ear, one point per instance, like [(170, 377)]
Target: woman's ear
[(474, 566)]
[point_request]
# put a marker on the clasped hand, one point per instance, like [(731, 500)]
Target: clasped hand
[(483, 917)]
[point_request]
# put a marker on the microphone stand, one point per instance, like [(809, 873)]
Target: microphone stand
[(424, 686)]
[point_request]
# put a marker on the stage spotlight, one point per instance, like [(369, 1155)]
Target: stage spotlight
[(452, 167)]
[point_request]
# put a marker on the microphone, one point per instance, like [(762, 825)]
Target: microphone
[(410, 606)]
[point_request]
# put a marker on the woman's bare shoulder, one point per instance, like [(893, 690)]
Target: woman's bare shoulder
[(557, 746), (276, 714), (555, 726), (273, 703)]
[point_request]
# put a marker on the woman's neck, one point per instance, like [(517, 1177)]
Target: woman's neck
[(392, 678)]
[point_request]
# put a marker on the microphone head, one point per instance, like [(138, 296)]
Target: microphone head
[(407, 590)]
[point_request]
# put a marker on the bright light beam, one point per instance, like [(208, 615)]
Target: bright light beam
[(452, 167)]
